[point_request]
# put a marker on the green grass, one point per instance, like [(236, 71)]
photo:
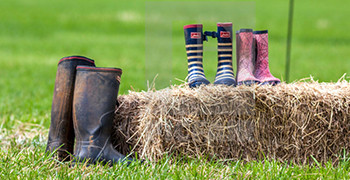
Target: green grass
[(34, 35), (22, 155)]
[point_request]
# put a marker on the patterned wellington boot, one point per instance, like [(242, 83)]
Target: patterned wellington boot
[(224, 74), (262, 71), (194, 48), (245, 66)]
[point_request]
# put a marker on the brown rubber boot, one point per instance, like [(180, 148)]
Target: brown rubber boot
[(245, 65), (95, 98), (61, 134)]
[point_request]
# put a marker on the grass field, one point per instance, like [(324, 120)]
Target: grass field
[(34, 35)]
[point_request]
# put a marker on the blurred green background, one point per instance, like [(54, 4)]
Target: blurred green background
[(34, 35)]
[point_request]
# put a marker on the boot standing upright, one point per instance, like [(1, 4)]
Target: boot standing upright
[(95, 98), (61, 133), (224, 74), (245, 66), (194, 49), (262, 71)]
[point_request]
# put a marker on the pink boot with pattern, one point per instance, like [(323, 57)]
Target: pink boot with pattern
[(262, 71), (244, 53)]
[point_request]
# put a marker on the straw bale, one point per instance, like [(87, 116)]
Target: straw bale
[(288, 122)]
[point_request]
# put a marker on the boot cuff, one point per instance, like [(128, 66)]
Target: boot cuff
[(226, 24), (260, 32), (98, 69), (76, 58), (193, 26), (244, 30)]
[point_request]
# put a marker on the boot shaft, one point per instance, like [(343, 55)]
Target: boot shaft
[(261, 55), (64, 86), (244, 48), (95, 98)]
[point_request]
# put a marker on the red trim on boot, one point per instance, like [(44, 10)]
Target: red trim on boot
[(193, 26), (228, 24), (77, 58), (99, 69)]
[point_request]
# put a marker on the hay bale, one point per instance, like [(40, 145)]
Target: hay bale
[(288, 122)]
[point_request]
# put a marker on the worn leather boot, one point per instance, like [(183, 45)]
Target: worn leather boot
[(194, 49), (245, 66), (61, 133), (262, 71), (224, 74), (95, 97)]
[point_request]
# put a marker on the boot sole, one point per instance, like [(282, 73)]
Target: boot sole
[(227, 82), (247, 83), (273, 83), (197, 83)]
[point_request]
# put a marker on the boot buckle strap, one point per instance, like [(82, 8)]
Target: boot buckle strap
[(213, 34)]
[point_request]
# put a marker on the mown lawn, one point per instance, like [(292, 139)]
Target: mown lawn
[(34, 35)]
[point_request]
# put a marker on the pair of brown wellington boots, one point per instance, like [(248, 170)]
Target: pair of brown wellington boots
[(253, 58), (83, 108)]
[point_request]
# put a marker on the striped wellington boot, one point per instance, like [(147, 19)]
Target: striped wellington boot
[(224, 74), (262, 71), (194, 49), (245, 66)]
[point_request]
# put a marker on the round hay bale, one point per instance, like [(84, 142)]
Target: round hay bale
[(287, 122)]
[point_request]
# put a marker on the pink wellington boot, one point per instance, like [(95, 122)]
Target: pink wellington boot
[(244, 53), (262, 71)]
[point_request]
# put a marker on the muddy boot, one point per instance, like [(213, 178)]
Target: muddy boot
[(94, 103), (224, 74), (262, 71), (194, 49), (245, 66), (61, 133)]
